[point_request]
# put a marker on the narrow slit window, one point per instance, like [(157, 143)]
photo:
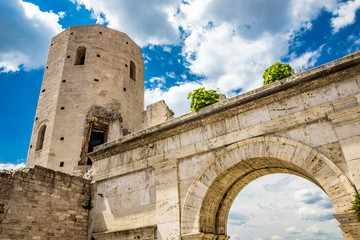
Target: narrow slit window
[(40, 138), (132, 71), (80, 56)]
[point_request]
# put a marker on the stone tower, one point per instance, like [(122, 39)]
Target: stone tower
[(92, 92)]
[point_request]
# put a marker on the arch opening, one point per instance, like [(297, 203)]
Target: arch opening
[(80, 56), (282, 206), (40, 138), (210, 196)]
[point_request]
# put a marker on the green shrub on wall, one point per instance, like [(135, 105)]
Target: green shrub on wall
[(276, 72), (356, 206), (201, 98)]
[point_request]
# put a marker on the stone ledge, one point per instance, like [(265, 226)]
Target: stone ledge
[(145, 233), (223, 108)]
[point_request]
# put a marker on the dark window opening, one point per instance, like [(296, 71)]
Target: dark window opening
[(98, 55), (43, 90), (63, 80), (36, 118), (62, 108), (132, 71), (127, 43), (71, 33), (30, 146), (100, 32), (125, 65), (80, 56), (61, 164), (40, 138), (68, 56), (47, 67), (96, 80), (124, 89), (97, 137), (62, 138)]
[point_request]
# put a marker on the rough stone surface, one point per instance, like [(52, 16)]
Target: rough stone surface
[(183, 175), (177, 178), (70, 94), (40, 203)]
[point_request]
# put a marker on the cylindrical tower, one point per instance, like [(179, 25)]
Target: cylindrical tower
[(92, 92)]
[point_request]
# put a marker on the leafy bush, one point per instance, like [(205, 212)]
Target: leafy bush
[(201, 98), (276, 72), (356, 206)]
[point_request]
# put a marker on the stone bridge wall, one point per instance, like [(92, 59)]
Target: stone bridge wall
[(40, 203), (163, 177)]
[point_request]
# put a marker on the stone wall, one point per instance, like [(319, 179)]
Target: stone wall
[(40, 203)]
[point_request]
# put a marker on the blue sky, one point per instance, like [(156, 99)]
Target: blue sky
[(225, 44)]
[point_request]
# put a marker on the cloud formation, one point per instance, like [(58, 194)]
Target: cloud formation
[(10, 166), (345, 15), (25, 35)]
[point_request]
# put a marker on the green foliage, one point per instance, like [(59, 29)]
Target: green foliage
[(356, 206), (276, 72), (201, 98)]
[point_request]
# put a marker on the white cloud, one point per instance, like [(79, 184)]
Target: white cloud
[(276, 237), (26, 34), (292, 230), (313, 229), (157, 79), (286, 210), (344, 15), (10, 166), (228, 42), (305, 60), (146, 22), (172, 96)]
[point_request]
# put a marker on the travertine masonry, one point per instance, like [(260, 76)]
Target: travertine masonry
[(40, 203), (183, 175)]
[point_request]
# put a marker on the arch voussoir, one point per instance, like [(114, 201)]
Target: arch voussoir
[(223, 177)]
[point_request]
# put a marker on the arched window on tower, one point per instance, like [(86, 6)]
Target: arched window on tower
[(80, 56), (132, 70), (40, 138)]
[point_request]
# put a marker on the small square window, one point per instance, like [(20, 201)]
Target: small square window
[(43, 90), (63, 80), (36, 118), (62, 108), (61, 164), (125, 65), (127, 43), (62, 138), (71, 33), (96, 80), (47, 67), (100, 32), (68, 56), (98, 55), (124, 89), (30, 146)]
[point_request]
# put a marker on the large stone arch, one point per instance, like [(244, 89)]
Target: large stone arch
[(209, 198)]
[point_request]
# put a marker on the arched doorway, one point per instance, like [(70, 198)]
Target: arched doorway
[(210, 196), (282, 206)]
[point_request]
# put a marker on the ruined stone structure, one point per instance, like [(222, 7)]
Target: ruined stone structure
[(92, 76), (161, 178), (40, 203)]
